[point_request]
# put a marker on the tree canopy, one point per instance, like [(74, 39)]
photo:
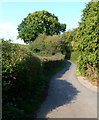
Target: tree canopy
[(37, 23)]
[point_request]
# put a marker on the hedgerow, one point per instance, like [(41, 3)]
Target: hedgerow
[(88, 41), (25, 79), (20, 71)]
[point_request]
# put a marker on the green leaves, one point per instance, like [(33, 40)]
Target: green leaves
[(25, 79), (87, 39), (46, 44), (37, 23)]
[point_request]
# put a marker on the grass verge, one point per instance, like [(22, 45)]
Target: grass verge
[(74, 56)]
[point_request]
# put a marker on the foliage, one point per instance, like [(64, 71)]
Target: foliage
[(12, 113), (46, 44), (74, 40), (52, 45), (48, 65), (75, 56), (88, 40), (65, 43), (37, 23), (24, 81), (20, 71)]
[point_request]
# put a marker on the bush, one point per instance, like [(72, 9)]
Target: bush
[(10, 112), (20, 71), (65, 44), (25, 80), (88, 41), (46, 44)]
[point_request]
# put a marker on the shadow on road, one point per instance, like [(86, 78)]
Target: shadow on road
[(68, 65), (60, 92)]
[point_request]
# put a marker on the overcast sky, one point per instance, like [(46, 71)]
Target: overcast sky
[(12, 13)]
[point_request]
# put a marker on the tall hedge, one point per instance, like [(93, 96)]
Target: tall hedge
[(88, 40), (20, 71), (25, 79)]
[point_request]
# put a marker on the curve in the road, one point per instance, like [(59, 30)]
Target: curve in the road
[(68, 98)]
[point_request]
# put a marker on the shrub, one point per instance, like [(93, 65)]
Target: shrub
[(10, 112), (46, 44), (25, 80), (65, 44), (20, 71), (88, 41)]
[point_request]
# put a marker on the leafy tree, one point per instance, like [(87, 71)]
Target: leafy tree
[(65, 43), (37, 23), (74, 40)]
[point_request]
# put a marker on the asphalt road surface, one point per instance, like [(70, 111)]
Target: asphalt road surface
[(68, 98)]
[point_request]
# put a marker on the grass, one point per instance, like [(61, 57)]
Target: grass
[(74, 56), (57, 56), (77, 73), (43, 55)]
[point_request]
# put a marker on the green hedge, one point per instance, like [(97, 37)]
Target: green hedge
[(20, 71), (25, 80), (88, 42)]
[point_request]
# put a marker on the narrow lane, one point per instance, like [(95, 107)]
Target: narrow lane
[(68, 98)]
